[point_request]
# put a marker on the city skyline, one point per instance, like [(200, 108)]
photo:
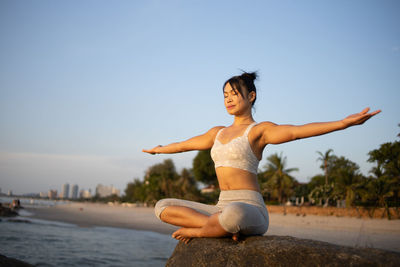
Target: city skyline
[(100, 191), (85, 86)]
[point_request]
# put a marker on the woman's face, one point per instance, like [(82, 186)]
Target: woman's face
[(235, 104)]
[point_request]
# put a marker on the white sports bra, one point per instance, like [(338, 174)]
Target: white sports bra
[(237, 153)]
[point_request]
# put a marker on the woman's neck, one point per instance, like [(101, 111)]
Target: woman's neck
[(243, 119)]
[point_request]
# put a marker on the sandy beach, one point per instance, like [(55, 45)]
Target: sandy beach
[(355, 232)]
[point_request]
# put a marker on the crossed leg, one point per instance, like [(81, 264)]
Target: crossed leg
[(194, 223)]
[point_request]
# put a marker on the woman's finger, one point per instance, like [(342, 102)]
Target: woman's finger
[(364, 111), (375, 112)]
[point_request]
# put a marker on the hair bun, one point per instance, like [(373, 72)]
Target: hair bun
[(250, 75)]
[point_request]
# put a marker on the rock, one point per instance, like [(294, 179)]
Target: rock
[(7, 262), (7, 212), (18, 221), (276, 251)]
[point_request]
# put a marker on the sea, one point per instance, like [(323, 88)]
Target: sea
[(49, 243)]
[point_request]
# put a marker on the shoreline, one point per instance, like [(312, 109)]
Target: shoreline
[(347, 231), (98, 214)]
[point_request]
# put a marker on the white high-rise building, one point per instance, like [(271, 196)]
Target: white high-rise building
[(74, 193), (65, 191), (85, 193)]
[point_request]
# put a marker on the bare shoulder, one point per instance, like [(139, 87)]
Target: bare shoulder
[(265, 125), (213, 131), (262, 130), (217, 128), (210, 136)]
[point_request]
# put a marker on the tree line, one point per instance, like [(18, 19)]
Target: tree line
[(341, 183)]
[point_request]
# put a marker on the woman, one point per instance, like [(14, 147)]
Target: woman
[(236, 151)]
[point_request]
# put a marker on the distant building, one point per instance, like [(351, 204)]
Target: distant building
[(74, 193), (65, 191), (10, 193), (85, 194), (43, 194), (115, 191), (105, 191), (52, 194)]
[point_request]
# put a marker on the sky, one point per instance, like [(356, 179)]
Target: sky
[(86, 85)]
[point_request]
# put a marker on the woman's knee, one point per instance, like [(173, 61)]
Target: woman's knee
[(232, 217), (241, 217), (160, 206)]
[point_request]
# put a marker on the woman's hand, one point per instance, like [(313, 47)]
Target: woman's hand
[(153, 151), (359, 118)]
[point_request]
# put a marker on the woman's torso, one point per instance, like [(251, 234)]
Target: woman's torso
[(236, 179), (242, 176)]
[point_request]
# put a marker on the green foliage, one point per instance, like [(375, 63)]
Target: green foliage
[(159, 181), (347, 183), (301, 190), (317, 180), (276, 180), (342, 181), (384, 186), (387, 158), (322, 193), (185, 187), (203, 168), (347, 179), (162, 181), (135, 192)]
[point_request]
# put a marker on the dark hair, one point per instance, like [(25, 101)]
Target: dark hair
[(243, 82)]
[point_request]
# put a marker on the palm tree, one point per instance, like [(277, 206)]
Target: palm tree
[(387, 159), (278, 179), (348, 179), (399, 133), (325, 158), (380, 189)]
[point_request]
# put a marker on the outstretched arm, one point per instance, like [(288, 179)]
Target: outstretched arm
[(201, 142), (277, 134)]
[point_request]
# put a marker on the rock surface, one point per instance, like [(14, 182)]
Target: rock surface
[(7, 212), (8, 262), (276, 251)]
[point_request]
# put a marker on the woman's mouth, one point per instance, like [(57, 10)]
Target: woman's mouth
[(229, 107)]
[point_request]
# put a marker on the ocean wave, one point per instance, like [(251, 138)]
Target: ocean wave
[(49, 243)]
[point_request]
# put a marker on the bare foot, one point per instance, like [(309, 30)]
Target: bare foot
[(185, 234), (236, 237)]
